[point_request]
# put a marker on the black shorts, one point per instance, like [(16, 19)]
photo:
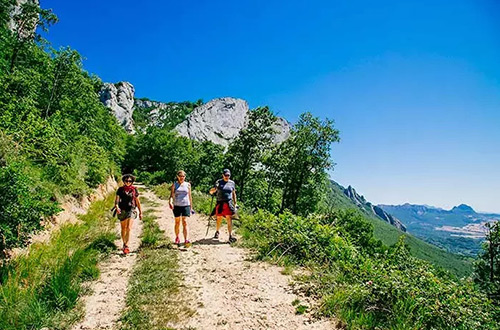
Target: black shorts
[(182, 211), (124, 215)]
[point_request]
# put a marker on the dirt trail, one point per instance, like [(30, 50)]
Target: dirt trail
[(226, 290), (107, 300)]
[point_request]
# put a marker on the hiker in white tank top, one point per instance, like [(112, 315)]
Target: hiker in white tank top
[(181, 203)]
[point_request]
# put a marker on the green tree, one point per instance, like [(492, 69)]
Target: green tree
[(302, 161), (487, 266), (245, 154)]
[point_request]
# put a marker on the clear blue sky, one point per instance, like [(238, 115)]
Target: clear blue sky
[(414, 86)]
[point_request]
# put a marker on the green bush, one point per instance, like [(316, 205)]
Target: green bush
[(363, 283), (23, 204)]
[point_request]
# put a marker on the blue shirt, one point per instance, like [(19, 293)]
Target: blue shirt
[(225, 190)]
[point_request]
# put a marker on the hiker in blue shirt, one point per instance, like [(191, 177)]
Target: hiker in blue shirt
[(181, 203), (226, 202)]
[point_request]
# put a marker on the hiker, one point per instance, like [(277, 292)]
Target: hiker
[(226, 202), (126, 205), (181, 202)]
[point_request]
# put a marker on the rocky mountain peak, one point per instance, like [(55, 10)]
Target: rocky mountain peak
[(119, 98), (218, 121), (361, 202)]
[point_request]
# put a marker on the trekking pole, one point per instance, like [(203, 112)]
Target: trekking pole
[(210, 216)]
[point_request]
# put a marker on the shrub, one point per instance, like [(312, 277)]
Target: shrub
[(23, 204)]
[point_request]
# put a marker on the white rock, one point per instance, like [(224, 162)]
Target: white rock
[(218, 121), (119, 98)]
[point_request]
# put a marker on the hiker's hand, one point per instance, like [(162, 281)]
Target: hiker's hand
[(212, 191), (171, 206), (118, 211), (140, 215)]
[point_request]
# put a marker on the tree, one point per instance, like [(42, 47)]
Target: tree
[(245, 153), (487, 267), (24, 22), (305, 157)]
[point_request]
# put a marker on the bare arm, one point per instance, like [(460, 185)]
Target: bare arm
[(171, 198), (234, 197), (190, 198), (138, 203), (117, 200)]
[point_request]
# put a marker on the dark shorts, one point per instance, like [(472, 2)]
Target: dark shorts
[(182, 211), (223, 209), (124, 215)]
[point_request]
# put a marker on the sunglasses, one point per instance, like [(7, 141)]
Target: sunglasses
[(128, 181), (181, 176), (227, 175)]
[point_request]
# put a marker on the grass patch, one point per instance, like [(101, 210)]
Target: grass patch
[(154, 299), (41, 289)]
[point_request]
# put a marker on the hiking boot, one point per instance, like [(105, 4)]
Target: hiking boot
[(187, 243), (232, 239), (126, 250), (216, 236), (177, 241)]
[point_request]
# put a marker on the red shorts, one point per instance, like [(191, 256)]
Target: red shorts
[(223, 209)]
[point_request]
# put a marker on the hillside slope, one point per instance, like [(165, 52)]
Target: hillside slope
[(389, 235)]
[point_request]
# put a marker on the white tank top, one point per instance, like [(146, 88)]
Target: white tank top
[(181, 194)]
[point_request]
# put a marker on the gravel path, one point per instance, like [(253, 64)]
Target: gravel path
[(227, 290), (104, 306)]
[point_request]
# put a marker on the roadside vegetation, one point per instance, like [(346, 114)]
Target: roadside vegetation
[(41, 288), (56, 138)]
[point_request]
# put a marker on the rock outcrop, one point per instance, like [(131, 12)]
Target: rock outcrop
[(218, 121), (15, 10), (282, 129), (119, 98), (361, 202)]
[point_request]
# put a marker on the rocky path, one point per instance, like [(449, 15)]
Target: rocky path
[(104, 306), (227, 290)]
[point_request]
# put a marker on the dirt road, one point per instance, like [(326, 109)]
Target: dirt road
[(227, 290)]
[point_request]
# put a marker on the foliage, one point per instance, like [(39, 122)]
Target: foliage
[(164, 115), (159, 154), (246, 152), (23, 202), (64, 140), (303, 161), (41, 288), (360, 281), (487, 266)]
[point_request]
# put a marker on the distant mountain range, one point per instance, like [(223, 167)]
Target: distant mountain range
[(460, 230)]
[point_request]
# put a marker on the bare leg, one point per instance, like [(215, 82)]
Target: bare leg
[(127, 233), (229, 220), (176, 227), (219, 222), (123, 225), (184, 228)]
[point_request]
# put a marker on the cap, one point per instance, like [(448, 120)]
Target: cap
[(226, 171)]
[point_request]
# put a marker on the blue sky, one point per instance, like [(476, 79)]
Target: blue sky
[(414, 86)]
